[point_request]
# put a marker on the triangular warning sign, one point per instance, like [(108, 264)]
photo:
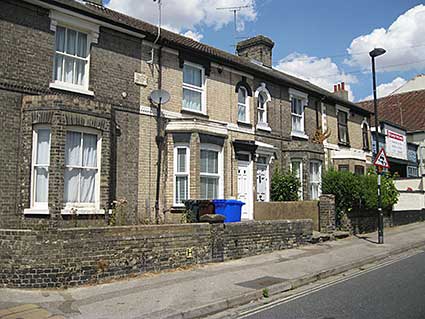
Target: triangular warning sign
[(381, 159)]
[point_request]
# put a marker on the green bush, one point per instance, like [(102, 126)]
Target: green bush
[(284, 187), (353, 191)]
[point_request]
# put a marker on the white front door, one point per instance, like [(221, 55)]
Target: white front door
[(263, 192), (245, 185)]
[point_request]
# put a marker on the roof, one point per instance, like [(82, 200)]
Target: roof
[(179, 42), (405, 109)]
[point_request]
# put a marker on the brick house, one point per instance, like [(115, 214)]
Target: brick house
[(80, 131), (348, 147)]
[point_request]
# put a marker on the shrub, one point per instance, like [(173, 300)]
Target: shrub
[(284, 187), (353, 191)]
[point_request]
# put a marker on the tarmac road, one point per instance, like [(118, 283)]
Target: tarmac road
[(393, 291)]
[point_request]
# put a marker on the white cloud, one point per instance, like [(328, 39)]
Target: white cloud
[(386, 89), (194, 35), (186, 15), (319, 71), (404, 41)]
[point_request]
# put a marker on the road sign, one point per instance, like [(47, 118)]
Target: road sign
[(381, 159)]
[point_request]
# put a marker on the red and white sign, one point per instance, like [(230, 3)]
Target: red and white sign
[(381, 159), (396, 144)]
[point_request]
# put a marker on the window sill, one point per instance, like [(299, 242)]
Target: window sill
[(70, 88), (192, 112), (344, 144), (36, 211), (245, 124), (84, 211), (263, 127), (299, 135)]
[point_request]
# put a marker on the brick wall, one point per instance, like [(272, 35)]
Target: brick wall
[(69, 257)]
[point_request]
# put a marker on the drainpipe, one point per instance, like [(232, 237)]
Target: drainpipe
[(159, 139)]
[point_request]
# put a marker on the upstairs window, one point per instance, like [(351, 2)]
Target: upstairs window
[(243, 105), (262, 108), (193, 88), (71, 57), (297, 114), (365, 135), (299, 100), (82, 169), (343, 127)]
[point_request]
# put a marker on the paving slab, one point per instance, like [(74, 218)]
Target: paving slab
[(211, 288)]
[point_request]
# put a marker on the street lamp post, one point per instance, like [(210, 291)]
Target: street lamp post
[(373, 54)]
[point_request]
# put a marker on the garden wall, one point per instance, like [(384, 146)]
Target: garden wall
[(288, 211), (69, 257)]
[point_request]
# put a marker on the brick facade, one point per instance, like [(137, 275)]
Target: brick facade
[(118, 107)]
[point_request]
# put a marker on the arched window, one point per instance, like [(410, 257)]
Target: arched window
[(243, 107), (365, 135), (263, 98)]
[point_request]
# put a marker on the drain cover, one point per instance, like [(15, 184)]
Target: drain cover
[(261, 282)]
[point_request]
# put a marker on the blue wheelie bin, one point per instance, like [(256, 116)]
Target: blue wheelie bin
[(229, 208)]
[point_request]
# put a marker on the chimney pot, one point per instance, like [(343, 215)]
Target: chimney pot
[(339, 87), (335, 87), (343, 86)]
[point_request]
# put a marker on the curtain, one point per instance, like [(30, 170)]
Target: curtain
[(192, 76), (71, 41), (43, 146), (192, 100), (181, 189), (181, 160), (60, 39), (71, 185), (82, 45), (41, 184), (87, 186), (89, 150), (73, 149)]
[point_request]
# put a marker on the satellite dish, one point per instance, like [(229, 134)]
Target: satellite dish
[(160, 96)]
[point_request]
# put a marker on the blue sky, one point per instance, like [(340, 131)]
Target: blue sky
[(313, 38)]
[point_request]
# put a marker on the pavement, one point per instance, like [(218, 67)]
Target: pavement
[(208, 289)]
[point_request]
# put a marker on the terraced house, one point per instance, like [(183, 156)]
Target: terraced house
[(79, 129)]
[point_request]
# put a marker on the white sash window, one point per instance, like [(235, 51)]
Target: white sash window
[(211, 172), (181, 174), (193, 88), (315, 179)]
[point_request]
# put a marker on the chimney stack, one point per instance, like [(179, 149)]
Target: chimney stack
[(97, 2), (340, 91), (258, 48)]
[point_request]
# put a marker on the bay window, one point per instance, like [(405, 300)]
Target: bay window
[(82, 167), (181, 174), (211, 171), (297, 170), (315, 179), (40, 168), (193, 88)]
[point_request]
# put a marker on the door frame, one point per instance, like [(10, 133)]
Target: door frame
[(250, 194)]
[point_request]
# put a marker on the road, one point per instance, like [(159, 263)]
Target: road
[(394, 291)]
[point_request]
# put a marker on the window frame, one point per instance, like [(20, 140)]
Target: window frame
[(303, 97), (219, 175), (263, 125), (347, 114), (85, 207), (38, 207), (176, 174), (301, 178), (195, 88), (82, 26), (319, 182), (245, 104), (365, 131)]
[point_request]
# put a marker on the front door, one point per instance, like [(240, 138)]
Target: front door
[(245, 185), (262, 179)]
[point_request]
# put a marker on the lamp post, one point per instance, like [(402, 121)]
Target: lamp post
[(373, 54)]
